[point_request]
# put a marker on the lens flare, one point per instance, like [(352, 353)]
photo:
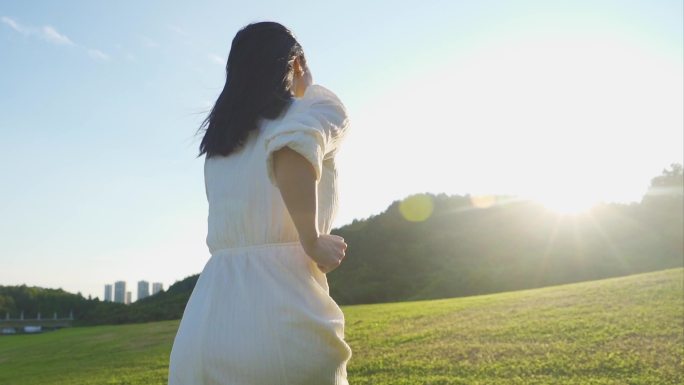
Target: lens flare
[(416, 208)]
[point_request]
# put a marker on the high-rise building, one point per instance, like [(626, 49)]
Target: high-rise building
[(157, 287), (108, 293), (128, 298), (143, 289), (120, 291)]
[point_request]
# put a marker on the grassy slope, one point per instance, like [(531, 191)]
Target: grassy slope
[(625, 330)]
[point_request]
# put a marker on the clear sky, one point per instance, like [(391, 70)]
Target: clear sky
[(567, 102)]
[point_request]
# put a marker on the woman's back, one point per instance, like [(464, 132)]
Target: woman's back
[(244, 209), (245, 206)]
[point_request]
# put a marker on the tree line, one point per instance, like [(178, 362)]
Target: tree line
[(459, 247)]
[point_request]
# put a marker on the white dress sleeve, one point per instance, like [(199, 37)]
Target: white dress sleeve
[(314, 126)]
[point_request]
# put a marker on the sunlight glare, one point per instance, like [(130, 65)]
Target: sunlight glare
[(567, 204), (482, 201)]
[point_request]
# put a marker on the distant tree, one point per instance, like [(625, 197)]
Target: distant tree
[(662, 206), (668, 186)]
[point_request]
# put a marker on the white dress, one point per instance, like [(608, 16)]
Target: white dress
[(261, 313)]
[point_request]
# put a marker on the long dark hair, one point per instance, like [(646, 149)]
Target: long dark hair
[(259, 75)]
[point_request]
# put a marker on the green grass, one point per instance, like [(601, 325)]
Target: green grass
[(627, 330)]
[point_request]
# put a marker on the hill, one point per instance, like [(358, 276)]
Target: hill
[(624, 330), (461, 250)]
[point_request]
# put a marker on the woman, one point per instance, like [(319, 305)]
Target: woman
[(261, 313)]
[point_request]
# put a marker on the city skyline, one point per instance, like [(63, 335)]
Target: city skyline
[(143, 291)]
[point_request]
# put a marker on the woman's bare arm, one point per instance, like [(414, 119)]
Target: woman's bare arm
[(296, 180)]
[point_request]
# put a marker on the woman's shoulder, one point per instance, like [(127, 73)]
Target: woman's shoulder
[(318, 106), (318, 96), (317, 92)]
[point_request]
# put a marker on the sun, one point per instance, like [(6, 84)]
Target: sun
[(567, 204)]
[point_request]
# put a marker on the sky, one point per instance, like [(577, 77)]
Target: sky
[(569, 103)]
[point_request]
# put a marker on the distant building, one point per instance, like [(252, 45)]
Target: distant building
[(128, 298), (143, 289), (108, 293), (157, 287), (120, 291)]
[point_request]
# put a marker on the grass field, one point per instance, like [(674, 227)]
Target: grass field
[(627, 330)]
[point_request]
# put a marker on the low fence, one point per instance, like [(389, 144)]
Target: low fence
[(33, 325)]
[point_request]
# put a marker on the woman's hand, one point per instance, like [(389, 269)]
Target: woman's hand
[(327, 250)]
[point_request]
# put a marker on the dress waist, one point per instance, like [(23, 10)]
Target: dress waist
[(260, 246)]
